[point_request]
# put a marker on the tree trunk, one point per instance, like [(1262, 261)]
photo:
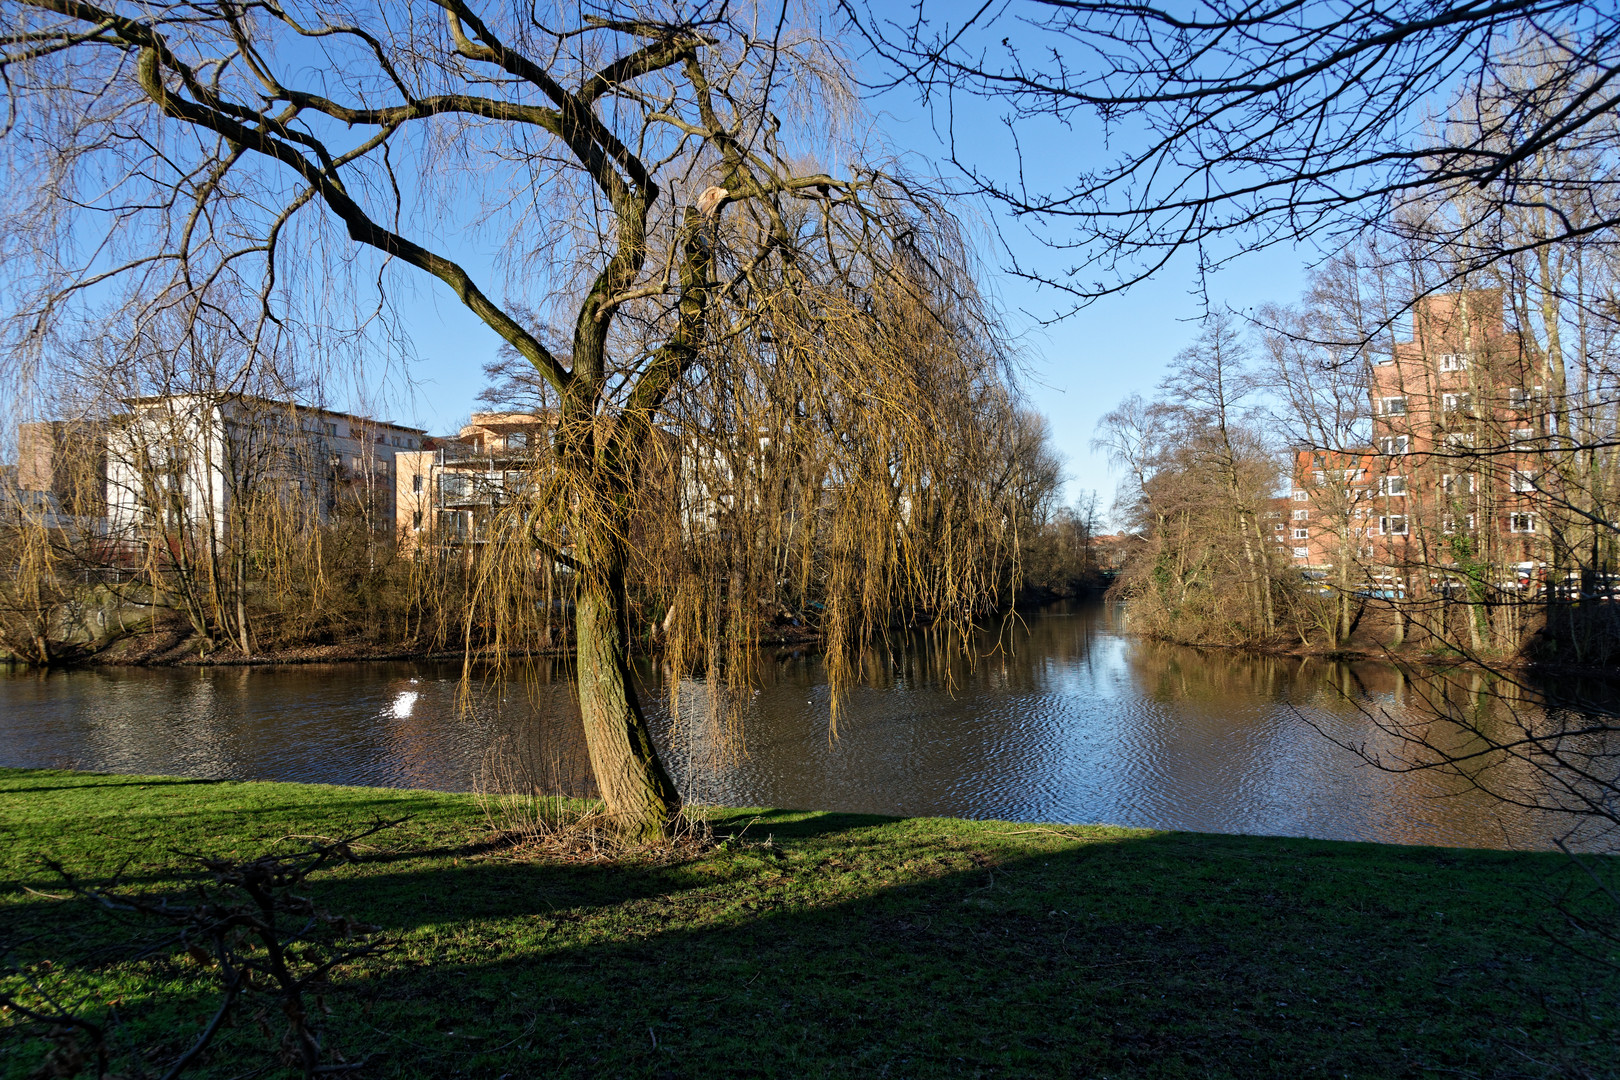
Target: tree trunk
[(639, 795)]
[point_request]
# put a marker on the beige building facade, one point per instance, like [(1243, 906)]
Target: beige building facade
[(446, 491)]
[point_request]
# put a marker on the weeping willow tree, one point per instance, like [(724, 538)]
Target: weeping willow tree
[(742, 292)]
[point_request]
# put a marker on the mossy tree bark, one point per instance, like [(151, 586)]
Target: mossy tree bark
[(629, 775)]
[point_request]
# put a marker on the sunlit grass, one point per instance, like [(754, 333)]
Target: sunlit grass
[(835, 945)]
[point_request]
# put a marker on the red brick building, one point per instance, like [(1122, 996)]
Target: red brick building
[(1459, 467)]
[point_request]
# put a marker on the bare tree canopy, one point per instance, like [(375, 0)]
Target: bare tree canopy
[(1222, 127), (656, 207)]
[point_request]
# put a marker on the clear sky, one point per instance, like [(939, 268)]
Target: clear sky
[(1076, 369)]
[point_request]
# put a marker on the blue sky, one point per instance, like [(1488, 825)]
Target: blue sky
[(1076, 369)]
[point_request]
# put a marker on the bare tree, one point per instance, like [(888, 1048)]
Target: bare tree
[(669, 184), (1199, 481), (1233, 126)]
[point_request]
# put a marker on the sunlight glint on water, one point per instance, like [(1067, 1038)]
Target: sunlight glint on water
[(1075, 723)]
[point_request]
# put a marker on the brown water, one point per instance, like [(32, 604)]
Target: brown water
[(1065, 720)]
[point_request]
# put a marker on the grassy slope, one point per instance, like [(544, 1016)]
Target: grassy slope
[(851, 946)]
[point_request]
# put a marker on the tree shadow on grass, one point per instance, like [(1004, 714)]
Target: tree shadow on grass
[(95, 780), (791, 824), (1160, 955), (814, 944)]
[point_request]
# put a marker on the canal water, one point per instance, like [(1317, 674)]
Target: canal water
[(1061, 717)]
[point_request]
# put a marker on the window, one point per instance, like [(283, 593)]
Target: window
[(1301, 496), (1301, 515), (1456, 361), (1302, 534), (518, 440), (1300, 553), (1456, 402), (1392, 526), (1392, 406), (1392, 485), (1522, 481), (454, 487), (1460, 440), (1279, 527), (1518, 398), (416, 516), (330, 430), (1457, 483), (1522, 523), (416, 483), (1393, 444), (1521, 436)]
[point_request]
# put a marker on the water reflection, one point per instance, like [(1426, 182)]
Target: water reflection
[(1060, 719)]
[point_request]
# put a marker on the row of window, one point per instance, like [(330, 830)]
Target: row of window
[(1519, 438), (1451, 361), (1397, 525), (456, 485), (1518, 399), (1519, 480)]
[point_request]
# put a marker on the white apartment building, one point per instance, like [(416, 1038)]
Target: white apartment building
[(180, 462)]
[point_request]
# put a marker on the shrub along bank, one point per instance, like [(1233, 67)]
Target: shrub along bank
[(815, 944)]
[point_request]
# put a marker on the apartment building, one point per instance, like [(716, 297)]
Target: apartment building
[(447, 490), (1457, 467), (181, 464)]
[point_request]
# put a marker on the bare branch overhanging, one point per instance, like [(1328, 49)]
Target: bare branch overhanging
[(1240, 126)]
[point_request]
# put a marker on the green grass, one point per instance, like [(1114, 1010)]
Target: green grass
[(847, 946)]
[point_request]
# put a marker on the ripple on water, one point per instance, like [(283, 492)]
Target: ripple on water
[(1073, 723)]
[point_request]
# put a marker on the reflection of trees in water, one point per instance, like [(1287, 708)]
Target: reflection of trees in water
[(1011, 655), (1066, 720), (533, 741), (1212, 694), (704, 725), (1547, 746)]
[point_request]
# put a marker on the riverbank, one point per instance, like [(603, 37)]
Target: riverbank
[(177, 647), (1427, 658), (809, 944)]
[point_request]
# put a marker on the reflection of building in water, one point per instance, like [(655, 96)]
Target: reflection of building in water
[(198, 733)]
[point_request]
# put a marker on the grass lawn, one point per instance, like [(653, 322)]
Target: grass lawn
[(829, 945)]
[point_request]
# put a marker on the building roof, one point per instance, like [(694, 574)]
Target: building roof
[(255, 399)]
